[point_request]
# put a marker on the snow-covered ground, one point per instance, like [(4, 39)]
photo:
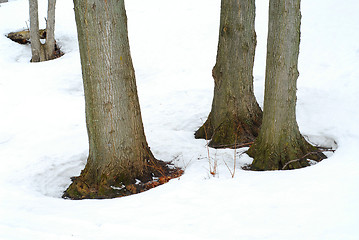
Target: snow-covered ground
[(43, 139)]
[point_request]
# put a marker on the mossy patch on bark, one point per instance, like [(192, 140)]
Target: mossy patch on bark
[(231, 132), (205, 131), (286, 156)]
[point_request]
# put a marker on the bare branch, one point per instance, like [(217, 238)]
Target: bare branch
[(235, 145)]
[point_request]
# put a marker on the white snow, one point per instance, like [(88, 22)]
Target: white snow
[(43, 140)]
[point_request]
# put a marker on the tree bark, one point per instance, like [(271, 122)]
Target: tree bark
[(42, 52), (34, 31), (118, 150), (235, 116), (50, 30), (279, 140)]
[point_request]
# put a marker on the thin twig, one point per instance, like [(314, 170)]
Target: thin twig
[(235, 150), (234, 158), (212, 171), (155, 166), (235, 145), (325, 149), (232, 174)]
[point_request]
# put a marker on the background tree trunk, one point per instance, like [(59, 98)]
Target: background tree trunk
[(279, 140), (235, 116), (34, 31), (50, 30), (118, 148), (42, 52)]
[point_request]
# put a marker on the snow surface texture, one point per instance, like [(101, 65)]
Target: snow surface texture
[(43, 140)]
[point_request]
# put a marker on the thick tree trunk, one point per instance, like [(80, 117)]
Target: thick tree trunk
[(36, 48), (279, 140), (118, 149), (235, 116), (50, 30)]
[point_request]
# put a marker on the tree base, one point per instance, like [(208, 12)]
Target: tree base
[(230, 133), (157, 173), (205, 131), (292, 156), (23, 37), (56, 53)]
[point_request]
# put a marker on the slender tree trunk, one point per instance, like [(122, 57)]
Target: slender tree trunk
[(119, 152), (235, 116), (42, 52), (50, 30), (279, 140), (34, 31)]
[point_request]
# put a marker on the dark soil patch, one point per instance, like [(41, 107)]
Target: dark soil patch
[(58, 52), (157, 173)]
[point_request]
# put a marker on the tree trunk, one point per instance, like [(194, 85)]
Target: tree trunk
[(235, 116), (50, 30), (42, 52), (36, 49), (279, 140), (119, 152)]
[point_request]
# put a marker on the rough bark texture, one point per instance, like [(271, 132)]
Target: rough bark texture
[(42, 52), (50, 30), (34, 32), (119, 153), (235, 116), (279, 140)]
